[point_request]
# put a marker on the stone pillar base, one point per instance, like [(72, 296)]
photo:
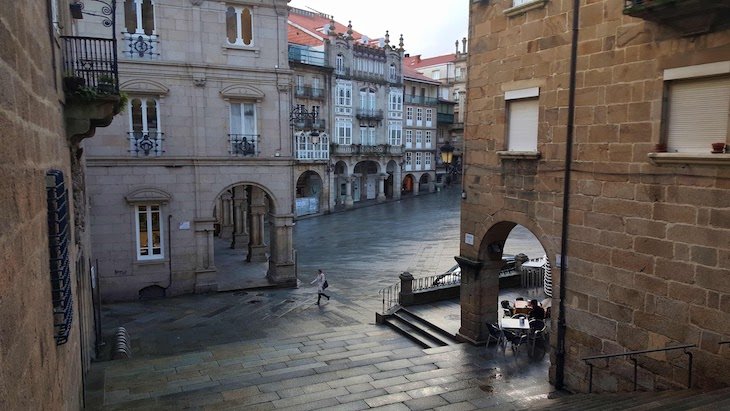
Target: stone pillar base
[(258, 254), (282, 274), (226, 232), (241, 241), (381, 198), (206, 280), (464, 338)]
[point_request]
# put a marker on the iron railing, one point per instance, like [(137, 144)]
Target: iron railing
[(308, 91), (145, 143), (390, 296), (420, 100), (435, 281), (632, 356), (141, 46), (369, 114), (58, 242), (90, 63), (244, 144)]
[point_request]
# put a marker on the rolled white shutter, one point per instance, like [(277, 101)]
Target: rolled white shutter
[(523, 116), (699, 111)]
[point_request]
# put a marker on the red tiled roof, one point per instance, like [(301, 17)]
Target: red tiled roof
[(412, 74), (303, 25), (418, 62)]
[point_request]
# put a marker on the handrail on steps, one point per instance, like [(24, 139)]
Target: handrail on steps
[(632, 354), (390, 296)]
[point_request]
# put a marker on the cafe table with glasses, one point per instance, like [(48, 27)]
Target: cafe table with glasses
[(520, 325)]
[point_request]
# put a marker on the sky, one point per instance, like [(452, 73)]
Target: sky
[(429, 27)]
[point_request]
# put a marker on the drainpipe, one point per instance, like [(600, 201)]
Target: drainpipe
[(560, 354)]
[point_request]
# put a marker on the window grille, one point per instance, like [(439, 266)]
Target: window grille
[(58, 240)]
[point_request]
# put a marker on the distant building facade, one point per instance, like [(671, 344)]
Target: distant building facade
[(647, 258)]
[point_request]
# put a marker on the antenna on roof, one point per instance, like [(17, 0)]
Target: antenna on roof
[(325, 15)]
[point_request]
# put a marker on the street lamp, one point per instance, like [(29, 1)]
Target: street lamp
[(447, 155)]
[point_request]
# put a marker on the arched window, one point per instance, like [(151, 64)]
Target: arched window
[(340, 64), (145, 136), (239, 26)]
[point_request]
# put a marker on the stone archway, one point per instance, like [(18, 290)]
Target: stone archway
[(367, 182), (252, 244), (309, 193), (408, 187)]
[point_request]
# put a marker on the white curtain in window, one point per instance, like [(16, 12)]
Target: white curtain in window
[(523, 117), (698, 114)]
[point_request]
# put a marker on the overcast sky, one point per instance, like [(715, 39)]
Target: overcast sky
[(429, 27)]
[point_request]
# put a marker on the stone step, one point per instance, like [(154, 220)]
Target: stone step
[(415, 334), (427, 326)]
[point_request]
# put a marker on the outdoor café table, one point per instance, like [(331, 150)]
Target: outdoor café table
[(515, 325), (521, 307)]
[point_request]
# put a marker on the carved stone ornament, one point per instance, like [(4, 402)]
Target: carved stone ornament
[(196, 2)]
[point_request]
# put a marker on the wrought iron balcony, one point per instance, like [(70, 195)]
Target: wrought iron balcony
[(395, 150), (309, 92), (369, 114), (145, 143), (244, 145), (689, 17)]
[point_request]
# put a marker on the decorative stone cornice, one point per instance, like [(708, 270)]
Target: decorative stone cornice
[(242, 91), (148, 195), (144, 86)]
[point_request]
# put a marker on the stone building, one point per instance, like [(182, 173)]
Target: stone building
[(365, 108), (419, 132), (48, 332), (202, 159), (639, 238)]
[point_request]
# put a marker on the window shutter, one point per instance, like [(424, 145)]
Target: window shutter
[(523, 117), (698, 114)]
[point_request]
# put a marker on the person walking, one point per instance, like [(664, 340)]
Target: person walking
[(322, 284)]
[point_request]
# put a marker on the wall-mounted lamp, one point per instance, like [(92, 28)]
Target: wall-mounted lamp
[(463, 195), (76, 10)]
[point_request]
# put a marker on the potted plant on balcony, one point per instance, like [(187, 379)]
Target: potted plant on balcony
[(718, 147), (72, 82), (106, 84)]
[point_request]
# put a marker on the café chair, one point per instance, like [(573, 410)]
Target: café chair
[(538, 333), (514, 339), (495, 333)]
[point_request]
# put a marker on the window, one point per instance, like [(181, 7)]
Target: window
[(522, 119), (343, 130), (239, 26), (139, 17), (148, 224), (429, 117), (367, 136), (367, 99), (419, 138), (145, 136), (419, 116), (428, 138), (436, 74), (697, 113), (340, 64), (427, 160), (344, 94), (409, 138), (419, 157), (409, 116), (300, 85), (316, 91), (395, 132), (396, 101), (409, 159), (244, 135), (392, 73), (458, 72)]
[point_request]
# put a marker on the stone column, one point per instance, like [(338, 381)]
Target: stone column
[(240, 218), (282, 267), (397, 183), (479, 298), (257, 247), (225, 216), (381, 187), (348, 196), (205, 271), (406, 289)]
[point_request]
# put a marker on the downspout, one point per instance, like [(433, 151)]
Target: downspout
[(560, 354), (169, 251)]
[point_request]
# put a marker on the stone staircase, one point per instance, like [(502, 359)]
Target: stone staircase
[(693, 399), (419, 330)]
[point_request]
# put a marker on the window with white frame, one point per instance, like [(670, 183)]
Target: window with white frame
[(419, 138), (148, 226), (344, 94), (139, 17), (367, 99), (419, 157), (419, 116), (343, 130), (698, 99), (409, 159), (243, 126), (429, 117), (395, 98), (145, 135), (436, 74), (340, 64), (522, 119), (409, 138), (316, 91), (409, 116), (395, 133), (367, 136), (428, 138), (427, 160), (239, 25), (392, 73)]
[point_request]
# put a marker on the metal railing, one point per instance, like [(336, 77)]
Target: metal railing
[(90, 63), (305, 55), (390, 296), (141, 46), (369, 113), (435, 281), (309, 91), (632, 356), (422, 100), (146, 143), (243, 144)]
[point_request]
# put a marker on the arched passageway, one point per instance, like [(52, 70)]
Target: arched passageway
[(309, 194)]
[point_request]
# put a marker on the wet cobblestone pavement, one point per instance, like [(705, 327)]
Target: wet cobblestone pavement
[(276, 349)]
